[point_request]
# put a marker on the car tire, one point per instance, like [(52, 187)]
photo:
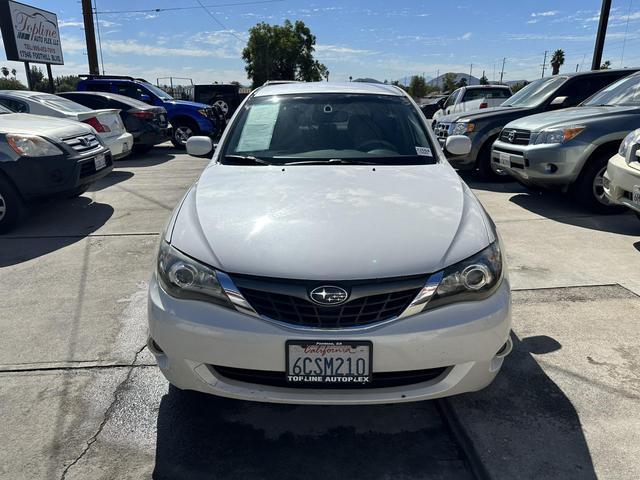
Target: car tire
[(484, 165), (182, 131), (588, 188), (11, 206)]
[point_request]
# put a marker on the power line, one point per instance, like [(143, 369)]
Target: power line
[(626, 29), (95, 9), (229, 31), (168, 9)]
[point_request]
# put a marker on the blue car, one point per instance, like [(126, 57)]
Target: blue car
[(187, 118)]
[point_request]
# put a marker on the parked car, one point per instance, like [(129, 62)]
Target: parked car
[(432, 105), (227, 97), (569, 149), (43, 157), (330, 245), (544, 95), (106, 122), (473, 97), (621, 181), (187, 118), (148, 124)]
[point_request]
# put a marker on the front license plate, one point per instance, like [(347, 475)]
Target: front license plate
[(505, 160), (635, 195), (100, 162), (125, 147), (328, 362)]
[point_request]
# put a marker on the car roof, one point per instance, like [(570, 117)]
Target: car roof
[(474, 87), (292, 88), (22, 93), (111, 96)]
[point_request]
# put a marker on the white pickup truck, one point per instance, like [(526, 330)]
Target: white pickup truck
[(474, 97)]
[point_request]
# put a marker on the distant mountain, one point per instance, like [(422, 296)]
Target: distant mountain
[(471, 80), (367, 80)]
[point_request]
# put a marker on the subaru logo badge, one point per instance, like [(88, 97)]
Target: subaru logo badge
[(328, 295), (512, 136)]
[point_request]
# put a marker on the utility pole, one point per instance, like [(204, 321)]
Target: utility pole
[(544, 63), (90, 36), (502, 72), (577, 66), (470, 71), (482, 75), (602, 32)]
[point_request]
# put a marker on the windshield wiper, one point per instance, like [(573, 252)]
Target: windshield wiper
[(339, 161), (248, 158)]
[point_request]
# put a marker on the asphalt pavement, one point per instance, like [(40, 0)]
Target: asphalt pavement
[(80, 396)]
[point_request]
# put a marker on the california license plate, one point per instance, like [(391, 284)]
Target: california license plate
[(328, 362), (125, 147), (635, 195), (100, 162), (505, 159)]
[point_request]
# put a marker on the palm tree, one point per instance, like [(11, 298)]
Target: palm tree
[(5, 71), (14, 72), (557, 60)]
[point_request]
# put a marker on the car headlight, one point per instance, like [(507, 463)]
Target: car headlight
[(474, 278), (32, 146), (558, 135), (183, 277), (462, 128), (629, 140)]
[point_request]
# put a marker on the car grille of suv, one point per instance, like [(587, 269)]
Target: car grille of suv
[(442, 129), (515, 136), (279, 379), (83, 143), (299, 311)]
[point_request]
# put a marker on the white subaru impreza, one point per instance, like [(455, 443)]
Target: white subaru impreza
[(329, 254)]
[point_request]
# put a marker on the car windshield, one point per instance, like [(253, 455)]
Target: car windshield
[(158, 92), (535, 93), (623, 92), (329, 128), (61, 103)]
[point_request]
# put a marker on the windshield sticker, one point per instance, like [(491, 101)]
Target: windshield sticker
[(424, 151), (258, 129)]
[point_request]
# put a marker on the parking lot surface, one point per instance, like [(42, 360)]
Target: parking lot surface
[(80, 396)]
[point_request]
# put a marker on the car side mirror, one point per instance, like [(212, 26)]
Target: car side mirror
[(145, 98), (200, 146), (458, 145), (559, 102)]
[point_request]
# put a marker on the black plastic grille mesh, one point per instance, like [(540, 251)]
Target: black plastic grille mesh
[(298, 311)]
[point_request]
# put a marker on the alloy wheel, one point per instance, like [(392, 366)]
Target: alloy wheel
[(183, 134), (3, 207), (598, 187)]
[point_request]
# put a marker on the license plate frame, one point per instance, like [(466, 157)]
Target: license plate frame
[(100, 161), (505, 160), (351, 375), (635, 195)]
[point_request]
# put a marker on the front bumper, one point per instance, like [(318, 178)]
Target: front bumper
[(547, 165), (620, 181), (153, 136), (120, 145), (463, 337)]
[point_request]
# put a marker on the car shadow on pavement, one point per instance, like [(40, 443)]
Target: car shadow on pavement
[(115, 177), (475, 182), (201, 436), (52, 225), (561, 208), (156, 156), (523, 425)]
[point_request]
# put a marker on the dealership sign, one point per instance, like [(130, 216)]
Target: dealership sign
[(30, 34)]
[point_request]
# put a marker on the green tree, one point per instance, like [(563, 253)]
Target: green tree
[(417, 87), (448, 82), (484, 80), (462, 82), (38, 82), (11, 84), (519, 86), (557, 60), (14, 73), (606, 65), (5, 71), (66, 83), (275, 52)]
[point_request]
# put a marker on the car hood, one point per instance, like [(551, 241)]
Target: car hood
[(330, 222), (484, 114), (51, 127), (186, 103), (568, 116)]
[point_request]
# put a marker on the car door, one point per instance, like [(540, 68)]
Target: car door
[(451, 102)]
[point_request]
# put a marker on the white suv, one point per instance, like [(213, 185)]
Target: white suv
[(329, 254), (622, 179)]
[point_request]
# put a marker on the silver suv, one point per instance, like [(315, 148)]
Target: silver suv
[(569, 149)]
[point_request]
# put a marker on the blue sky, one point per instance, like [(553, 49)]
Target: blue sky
[(373, 38)]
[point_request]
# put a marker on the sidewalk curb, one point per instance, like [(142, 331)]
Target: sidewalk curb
[(464, 441)]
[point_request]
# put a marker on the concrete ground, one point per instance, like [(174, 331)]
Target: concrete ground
[(80, 396)]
